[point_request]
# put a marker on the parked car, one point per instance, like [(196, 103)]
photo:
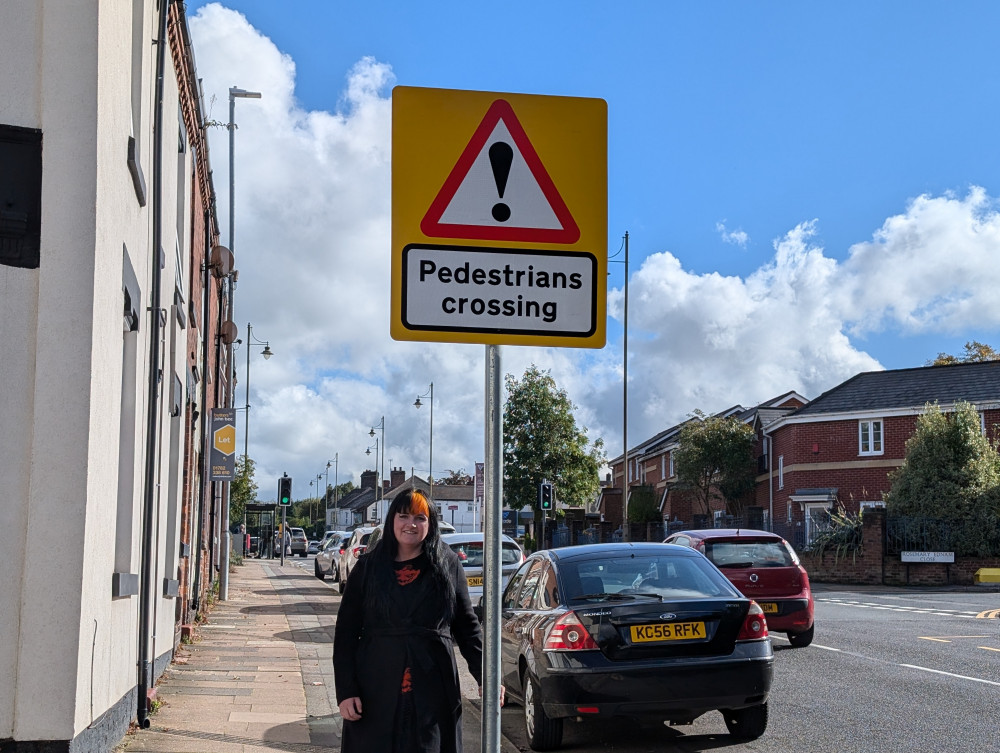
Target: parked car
[(313, 547), (470, 548), (765, 568), (632, 630), (350, 552), (300, 543), (327, 560)]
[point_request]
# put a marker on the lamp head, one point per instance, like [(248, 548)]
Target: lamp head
[(267, 352), (417, 403), (372, 432), (368, 451)]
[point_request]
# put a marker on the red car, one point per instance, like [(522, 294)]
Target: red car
[(765, 568)]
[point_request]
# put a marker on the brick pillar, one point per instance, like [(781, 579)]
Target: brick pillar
[(873, 544)]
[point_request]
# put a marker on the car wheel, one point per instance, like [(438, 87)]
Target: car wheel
[(543, 733), (803, 639), (319, 571), (748, 723)]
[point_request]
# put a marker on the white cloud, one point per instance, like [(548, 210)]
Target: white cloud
[(313, 249), (736, 237)]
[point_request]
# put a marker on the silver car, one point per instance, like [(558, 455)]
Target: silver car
[(327, 560), (350, 552), (470, 549)]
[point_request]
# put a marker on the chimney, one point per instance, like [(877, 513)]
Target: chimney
[(368, 479), (397, 477)]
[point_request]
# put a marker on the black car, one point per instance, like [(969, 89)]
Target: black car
[(633, 630)]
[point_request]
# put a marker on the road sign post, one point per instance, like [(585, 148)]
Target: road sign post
[(499, 236)]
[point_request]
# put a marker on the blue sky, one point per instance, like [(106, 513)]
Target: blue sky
[(810, 191)]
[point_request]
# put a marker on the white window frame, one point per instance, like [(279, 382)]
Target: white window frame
[(867, 427), (672, 470), (781, 471), (867, 504)]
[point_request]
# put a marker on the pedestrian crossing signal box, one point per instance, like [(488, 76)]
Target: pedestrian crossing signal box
[(285, 491)]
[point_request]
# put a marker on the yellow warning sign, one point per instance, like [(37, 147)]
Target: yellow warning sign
[(499, 218)]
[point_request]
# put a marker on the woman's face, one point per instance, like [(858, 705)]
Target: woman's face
[(410, 528)]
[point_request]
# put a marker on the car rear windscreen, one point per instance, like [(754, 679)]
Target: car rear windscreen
[(472, 553), (748, 553)]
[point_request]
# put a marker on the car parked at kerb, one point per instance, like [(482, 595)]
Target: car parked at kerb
[(633, 630), (766, 569)]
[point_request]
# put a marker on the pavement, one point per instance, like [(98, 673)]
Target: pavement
[(258, 674)]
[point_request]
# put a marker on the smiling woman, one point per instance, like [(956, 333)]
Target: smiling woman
[(405, 603)]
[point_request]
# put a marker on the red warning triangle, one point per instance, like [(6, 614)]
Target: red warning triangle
[(499, 190)]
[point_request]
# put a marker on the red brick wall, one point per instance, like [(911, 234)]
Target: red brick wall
[(870, 566)]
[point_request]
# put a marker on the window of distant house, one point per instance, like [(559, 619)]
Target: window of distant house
[(781, 471), (663, 466), (870, 437), (671, 471), (868, 504)]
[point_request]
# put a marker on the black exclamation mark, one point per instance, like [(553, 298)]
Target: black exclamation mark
[(501, 157)]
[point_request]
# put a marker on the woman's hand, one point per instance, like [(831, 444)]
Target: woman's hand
[(350, 708), (503, 693)]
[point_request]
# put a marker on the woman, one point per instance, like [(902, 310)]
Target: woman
[(396, 677)]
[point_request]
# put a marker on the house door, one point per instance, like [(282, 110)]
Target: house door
[(817, 520)]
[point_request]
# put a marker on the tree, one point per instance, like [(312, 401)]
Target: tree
[(975, 352), (715, 459), (542, 442), (456, 478), (242, 490), (951, 472), (643, 506)]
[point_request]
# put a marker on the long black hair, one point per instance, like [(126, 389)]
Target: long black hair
[(382, 557)]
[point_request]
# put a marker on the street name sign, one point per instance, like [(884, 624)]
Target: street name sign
[(499, 218)]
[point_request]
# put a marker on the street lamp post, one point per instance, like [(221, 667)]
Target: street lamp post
[(267, 353), (380, 425), (378, 481), (336, 482), (430, 453), (234, 92)]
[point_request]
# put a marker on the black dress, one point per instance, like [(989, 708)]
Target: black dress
[(403, 668)]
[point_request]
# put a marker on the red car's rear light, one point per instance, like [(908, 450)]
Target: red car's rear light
[(569, 634), (754, 626), (358, 551)]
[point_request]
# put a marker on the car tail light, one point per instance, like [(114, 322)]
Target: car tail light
[(754, 626), (569, 634), (358, 551)]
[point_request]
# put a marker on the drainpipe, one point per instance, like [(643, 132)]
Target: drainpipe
[(770, 475), (205, 414), (152, 425)]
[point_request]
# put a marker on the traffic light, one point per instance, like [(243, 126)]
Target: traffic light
[(545, 495), (285, 490)]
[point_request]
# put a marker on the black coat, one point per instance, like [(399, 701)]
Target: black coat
[(369, 657)]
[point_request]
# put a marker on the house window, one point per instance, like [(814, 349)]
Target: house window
[(672, 471), (663, 466), (781, 471), (870, 437)]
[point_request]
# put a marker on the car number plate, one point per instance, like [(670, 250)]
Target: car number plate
[(769, 607), (669, 631), (475, 580)]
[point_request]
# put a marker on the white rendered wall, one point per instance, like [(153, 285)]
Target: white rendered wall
[(19, 38)]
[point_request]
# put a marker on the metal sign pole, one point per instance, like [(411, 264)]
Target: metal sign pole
[(281, 536), (493, 518)]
